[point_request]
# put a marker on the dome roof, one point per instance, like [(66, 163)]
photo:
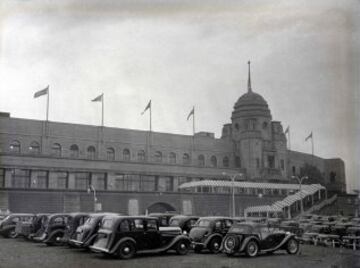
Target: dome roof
[(251, 104)]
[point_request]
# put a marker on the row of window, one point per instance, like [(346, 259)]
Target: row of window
[(56, 150), (41, 179)]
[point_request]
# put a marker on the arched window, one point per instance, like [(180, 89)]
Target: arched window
[(34, 147), (186, 159), (110, 154), (15, 147), (141, 155), (158, 157), (201, 160), (172, 158), (226, 161), (91, 152), (213, 161), (126, 155), (56, 149), (74, 151)]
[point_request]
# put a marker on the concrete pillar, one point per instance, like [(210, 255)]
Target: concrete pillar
[(312, 200), (8, 177)]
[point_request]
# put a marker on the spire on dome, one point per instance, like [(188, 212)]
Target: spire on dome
[(249, 79)]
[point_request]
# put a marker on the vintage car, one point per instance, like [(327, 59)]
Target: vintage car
[(311, 236), (125, 236), (252, 238), (164, 218), (352, 238), (8, 224), (26, 228), (54, 229), (184, 222), (76, 220), (86, 233), (208, 233)]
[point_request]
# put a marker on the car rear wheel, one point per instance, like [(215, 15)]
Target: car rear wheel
[(13, 234), (292, 246), (126, 250), (182, 247), (214, 245), (252, 248)]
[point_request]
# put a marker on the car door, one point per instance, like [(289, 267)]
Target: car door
[(152, 234), (138, 233)]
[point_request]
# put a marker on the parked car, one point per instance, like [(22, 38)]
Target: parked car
[(77, 219), (164, 218), (253, 238), (26, 228), (184, 222), (86, 233), (40, 224), (125, 236), (54, 229), (352, 238), (311, 236), (208, 233), (8, 224)]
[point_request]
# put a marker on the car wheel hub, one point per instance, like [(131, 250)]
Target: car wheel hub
[(126, 249), (216, 245), (292, 246), (182, 246)]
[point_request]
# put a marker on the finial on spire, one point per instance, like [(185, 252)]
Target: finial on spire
[(249, 79)]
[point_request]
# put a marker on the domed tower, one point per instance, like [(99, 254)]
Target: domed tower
[(259, 142)]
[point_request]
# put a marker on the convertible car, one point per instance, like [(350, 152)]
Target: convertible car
[(252, 238)]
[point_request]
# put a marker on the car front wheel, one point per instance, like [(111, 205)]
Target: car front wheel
[(292, 246), (182, 248), (214, 245), (252, 248), (126, 250)]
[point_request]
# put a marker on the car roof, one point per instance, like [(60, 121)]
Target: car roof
[(120, 217), (21, 214), (213, 218)]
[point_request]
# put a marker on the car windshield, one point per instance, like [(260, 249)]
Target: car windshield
[(107, 223), (174, 222), (203, 223), (242, 229)]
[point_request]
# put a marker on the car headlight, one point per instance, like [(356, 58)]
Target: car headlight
[(184, 232)]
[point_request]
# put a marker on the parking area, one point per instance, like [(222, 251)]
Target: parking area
[(20, 253)]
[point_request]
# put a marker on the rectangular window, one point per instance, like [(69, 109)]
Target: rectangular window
[(42, 179), (271, 161), (61, 180), (99, 181), (148, 183), (82, 180), (165, 184), (179, 181), (282, 164), (21, 178), (125, 182), (2, 177), (257, 163)]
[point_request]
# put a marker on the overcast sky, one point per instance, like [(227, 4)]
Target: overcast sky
[(305, 63)]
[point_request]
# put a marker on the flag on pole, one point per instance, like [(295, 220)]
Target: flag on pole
[(309, 137), (99, 98), (191, 113), (147, 107), (41, 92), (287, 130)]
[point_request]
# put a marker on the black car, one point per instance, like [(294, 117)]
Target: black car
[(8, 224), (184, 222), (252, 238), (54, 229), (208, 233), (292, 227), (76, 220), (125, 236), (26, 228), (86, 233)]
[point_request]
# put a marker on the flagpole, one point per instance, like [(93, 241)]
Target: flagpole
[(47, 105), (193, 129), (150, 117), (289, 140)]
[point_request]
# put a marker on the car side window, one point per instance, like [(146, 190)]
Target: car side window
[(228, 223), (139, 225), (192, 222), (163, 221), (58, 220), (124, 226), (151, 225), (217, 224)]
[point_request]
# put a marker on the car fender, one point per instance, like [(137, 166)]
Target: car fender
[(90, 240), (246, 240), (7, 228), (122, 240), (208, 239), (177, 239), (282, 243), (53, 234)]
